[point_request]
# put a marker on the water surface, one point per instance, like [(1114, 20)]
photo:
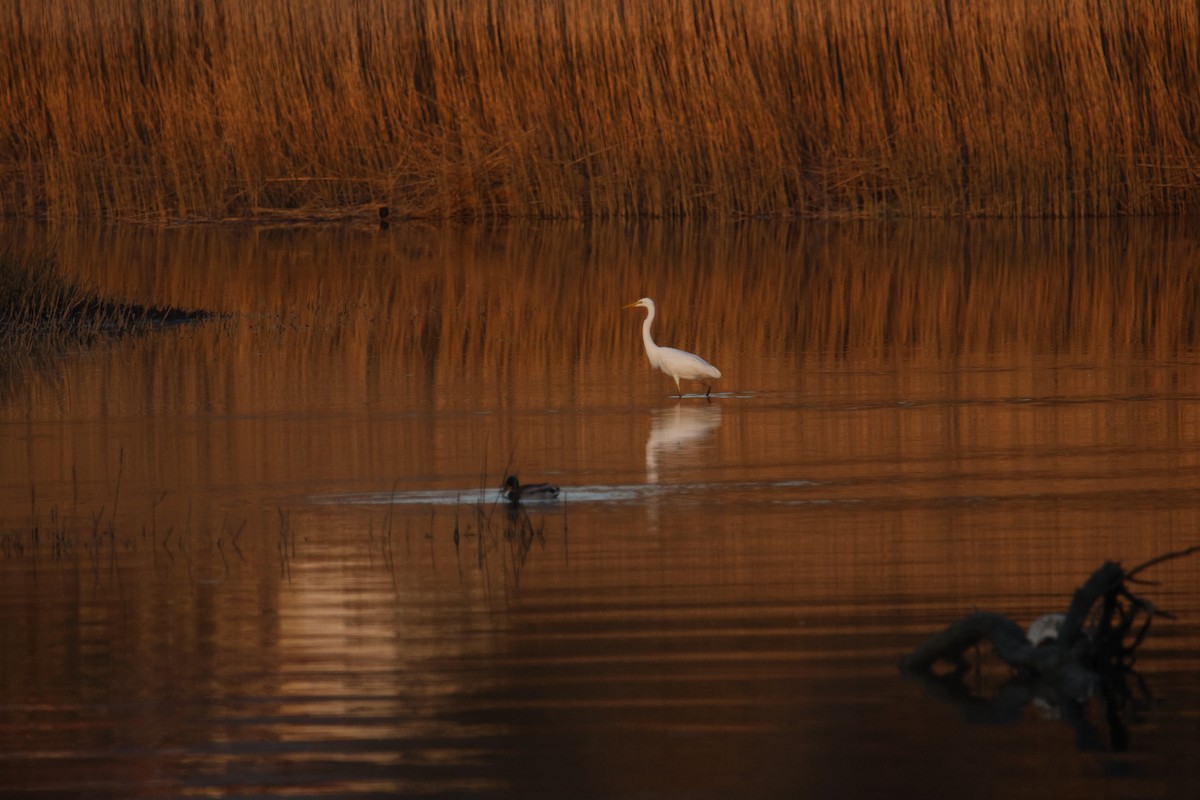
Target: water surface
[(264, 554)]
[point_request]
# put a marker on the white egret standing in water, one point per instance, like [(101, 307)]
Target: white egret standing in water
[(676, 363)]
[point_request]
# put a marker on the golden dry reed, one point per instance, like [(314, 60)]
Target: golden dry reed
[(204, 109)]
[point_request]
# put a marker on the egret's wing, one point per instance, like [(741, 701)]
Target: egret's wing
[(686, 365)]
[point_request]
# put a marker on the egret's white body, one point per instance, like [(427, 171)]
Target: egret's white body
[(676, 363)]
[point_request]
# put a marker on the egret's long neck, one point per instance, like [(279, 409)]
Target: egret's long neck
[(647, 339)]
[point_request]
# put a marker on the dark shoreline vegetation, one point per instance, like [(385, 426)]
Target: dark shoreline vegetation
[(200, 110), (41, 314)]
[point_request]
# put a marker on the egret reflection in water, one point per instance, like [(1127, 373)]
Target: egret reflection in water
[(676, 436)]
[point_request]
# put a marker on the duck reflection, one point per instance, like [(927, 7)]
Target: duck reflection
[(676, 434)]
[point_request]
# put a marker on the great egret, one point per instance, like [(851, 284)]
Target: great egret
[(676, 363), (514, 492)]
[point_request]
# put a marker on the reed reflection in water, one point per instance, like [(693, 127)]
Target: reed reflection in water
[(269, 557)]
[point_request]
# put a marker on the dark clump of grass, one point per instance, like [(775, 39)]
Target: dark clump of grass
[(36, 304), (42, 314)]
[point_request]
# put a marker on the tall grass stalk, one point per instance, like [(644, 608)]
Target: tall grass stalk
[(200, 109)]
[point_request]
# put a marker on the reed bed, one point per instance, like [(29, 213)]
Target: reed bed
[(205, 109)]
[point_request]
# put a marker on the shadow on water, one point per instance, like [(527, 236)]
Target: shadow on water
[(251, 556)]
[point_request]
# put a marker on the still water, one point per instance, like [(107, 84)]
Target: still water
[(263, 554)]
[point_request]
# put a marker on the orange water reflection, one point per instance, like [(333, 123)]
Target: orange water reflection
[(915, 420)]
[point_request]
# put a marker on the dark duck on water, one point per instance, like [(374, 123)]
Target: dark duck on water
[(514, 492)]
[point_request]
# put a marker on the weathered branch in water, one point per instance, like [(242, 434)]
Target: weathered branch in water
[(1010, 643), (1108, 578), (1088, 641), (950, 643)]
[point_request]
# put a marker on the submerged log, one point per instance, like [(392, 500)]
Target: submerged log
[(1052, 659), (1086, 653), (1092, 641)]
